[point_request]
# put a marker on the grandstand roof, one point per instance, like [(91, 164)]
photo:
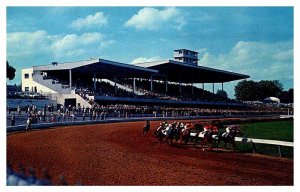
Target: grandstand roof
[(186, 73), (105, 68), (174, 71), (185, 50)]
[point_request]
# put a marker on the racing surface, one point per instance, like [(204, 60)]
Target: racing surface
[(118, 154)]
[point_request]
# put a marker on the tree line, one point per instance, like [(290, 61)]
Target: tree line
[(257, 91), (10, 71)]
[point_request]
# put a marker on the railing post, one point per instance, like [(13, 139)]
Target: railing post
[(253, 147), (279, 150)]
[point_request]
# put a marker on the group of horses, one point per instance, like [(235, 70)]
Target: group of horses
[(197, 133)]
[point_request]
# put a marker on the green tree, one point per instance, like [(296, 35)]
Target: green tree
[(246, 91), (269, 89), (222, 93), (287, 96), (251, 90), (10, 71)]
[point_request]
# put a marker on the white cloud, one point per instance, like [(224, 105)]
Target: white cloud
[(153, 19), (105, 44), (262, 61), (97, 20), (26, 45), (144, 59), (73, 45)]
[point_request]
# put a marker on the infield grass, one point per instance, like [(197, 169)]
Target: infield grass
[(274, 130)]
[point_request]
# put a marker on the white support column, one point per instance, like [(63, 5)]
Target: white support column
[(95, 85), (166, 85), (133, 90), (222, 87), (70, 78), (151, 83), (180, 87), (115, 79)]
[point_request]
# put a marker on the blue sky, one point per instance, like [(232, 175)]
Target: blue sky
[(257, 41)]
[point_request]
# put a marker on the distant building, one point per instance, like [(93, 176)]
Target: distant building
[(186, 56), (271, 100)]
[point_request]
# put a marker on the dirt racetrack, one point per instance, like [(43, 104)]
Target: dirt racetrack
[(118, 154)]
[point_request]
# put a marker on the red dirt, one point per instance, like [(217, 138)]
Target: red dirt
[(118, 154)]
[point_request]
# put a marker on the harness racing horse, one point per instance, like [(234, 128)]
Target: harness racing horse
[(207, 136), (229, 135)]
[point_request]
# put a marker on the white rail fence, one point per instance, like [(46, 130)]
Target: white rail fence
[(254, 141)]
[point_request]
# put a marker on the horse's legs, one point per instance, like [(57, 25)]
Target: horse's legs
[(233, 145), (160, 137), (202, 142), (187, 139), (216, 144), (196, 140)]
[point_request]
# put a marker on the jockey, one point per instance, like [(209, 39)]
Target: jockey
[(207, 128), (181, 125), (188, 126), (215, 129), (212, 128), (174, 124), (231, 128)]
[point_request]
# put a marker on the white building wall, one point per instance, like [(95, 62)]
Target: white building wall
[(36, 83), (31, 84)]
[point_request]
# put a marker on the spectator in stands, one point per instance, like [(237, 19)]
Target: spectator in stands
[(73, 117), (19, 110), (44, 115), (94, 114), (8, 109), (45, 107), (29, 121), (27, 109), (52, 118), (64, 116), (13, 120), (58, 115), (83, 117)]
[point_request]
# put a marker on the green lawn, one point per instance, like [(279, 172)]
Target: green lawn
[(275, 130)]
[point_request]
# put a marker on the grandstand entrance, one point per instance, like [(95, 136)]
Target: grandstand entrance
[(71, 102)]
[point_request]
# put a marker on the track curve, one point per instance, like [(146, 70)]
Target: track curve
[(118, 154)]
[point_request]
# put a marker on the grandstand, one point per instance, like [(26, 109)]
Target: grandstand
[(168, 82)]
